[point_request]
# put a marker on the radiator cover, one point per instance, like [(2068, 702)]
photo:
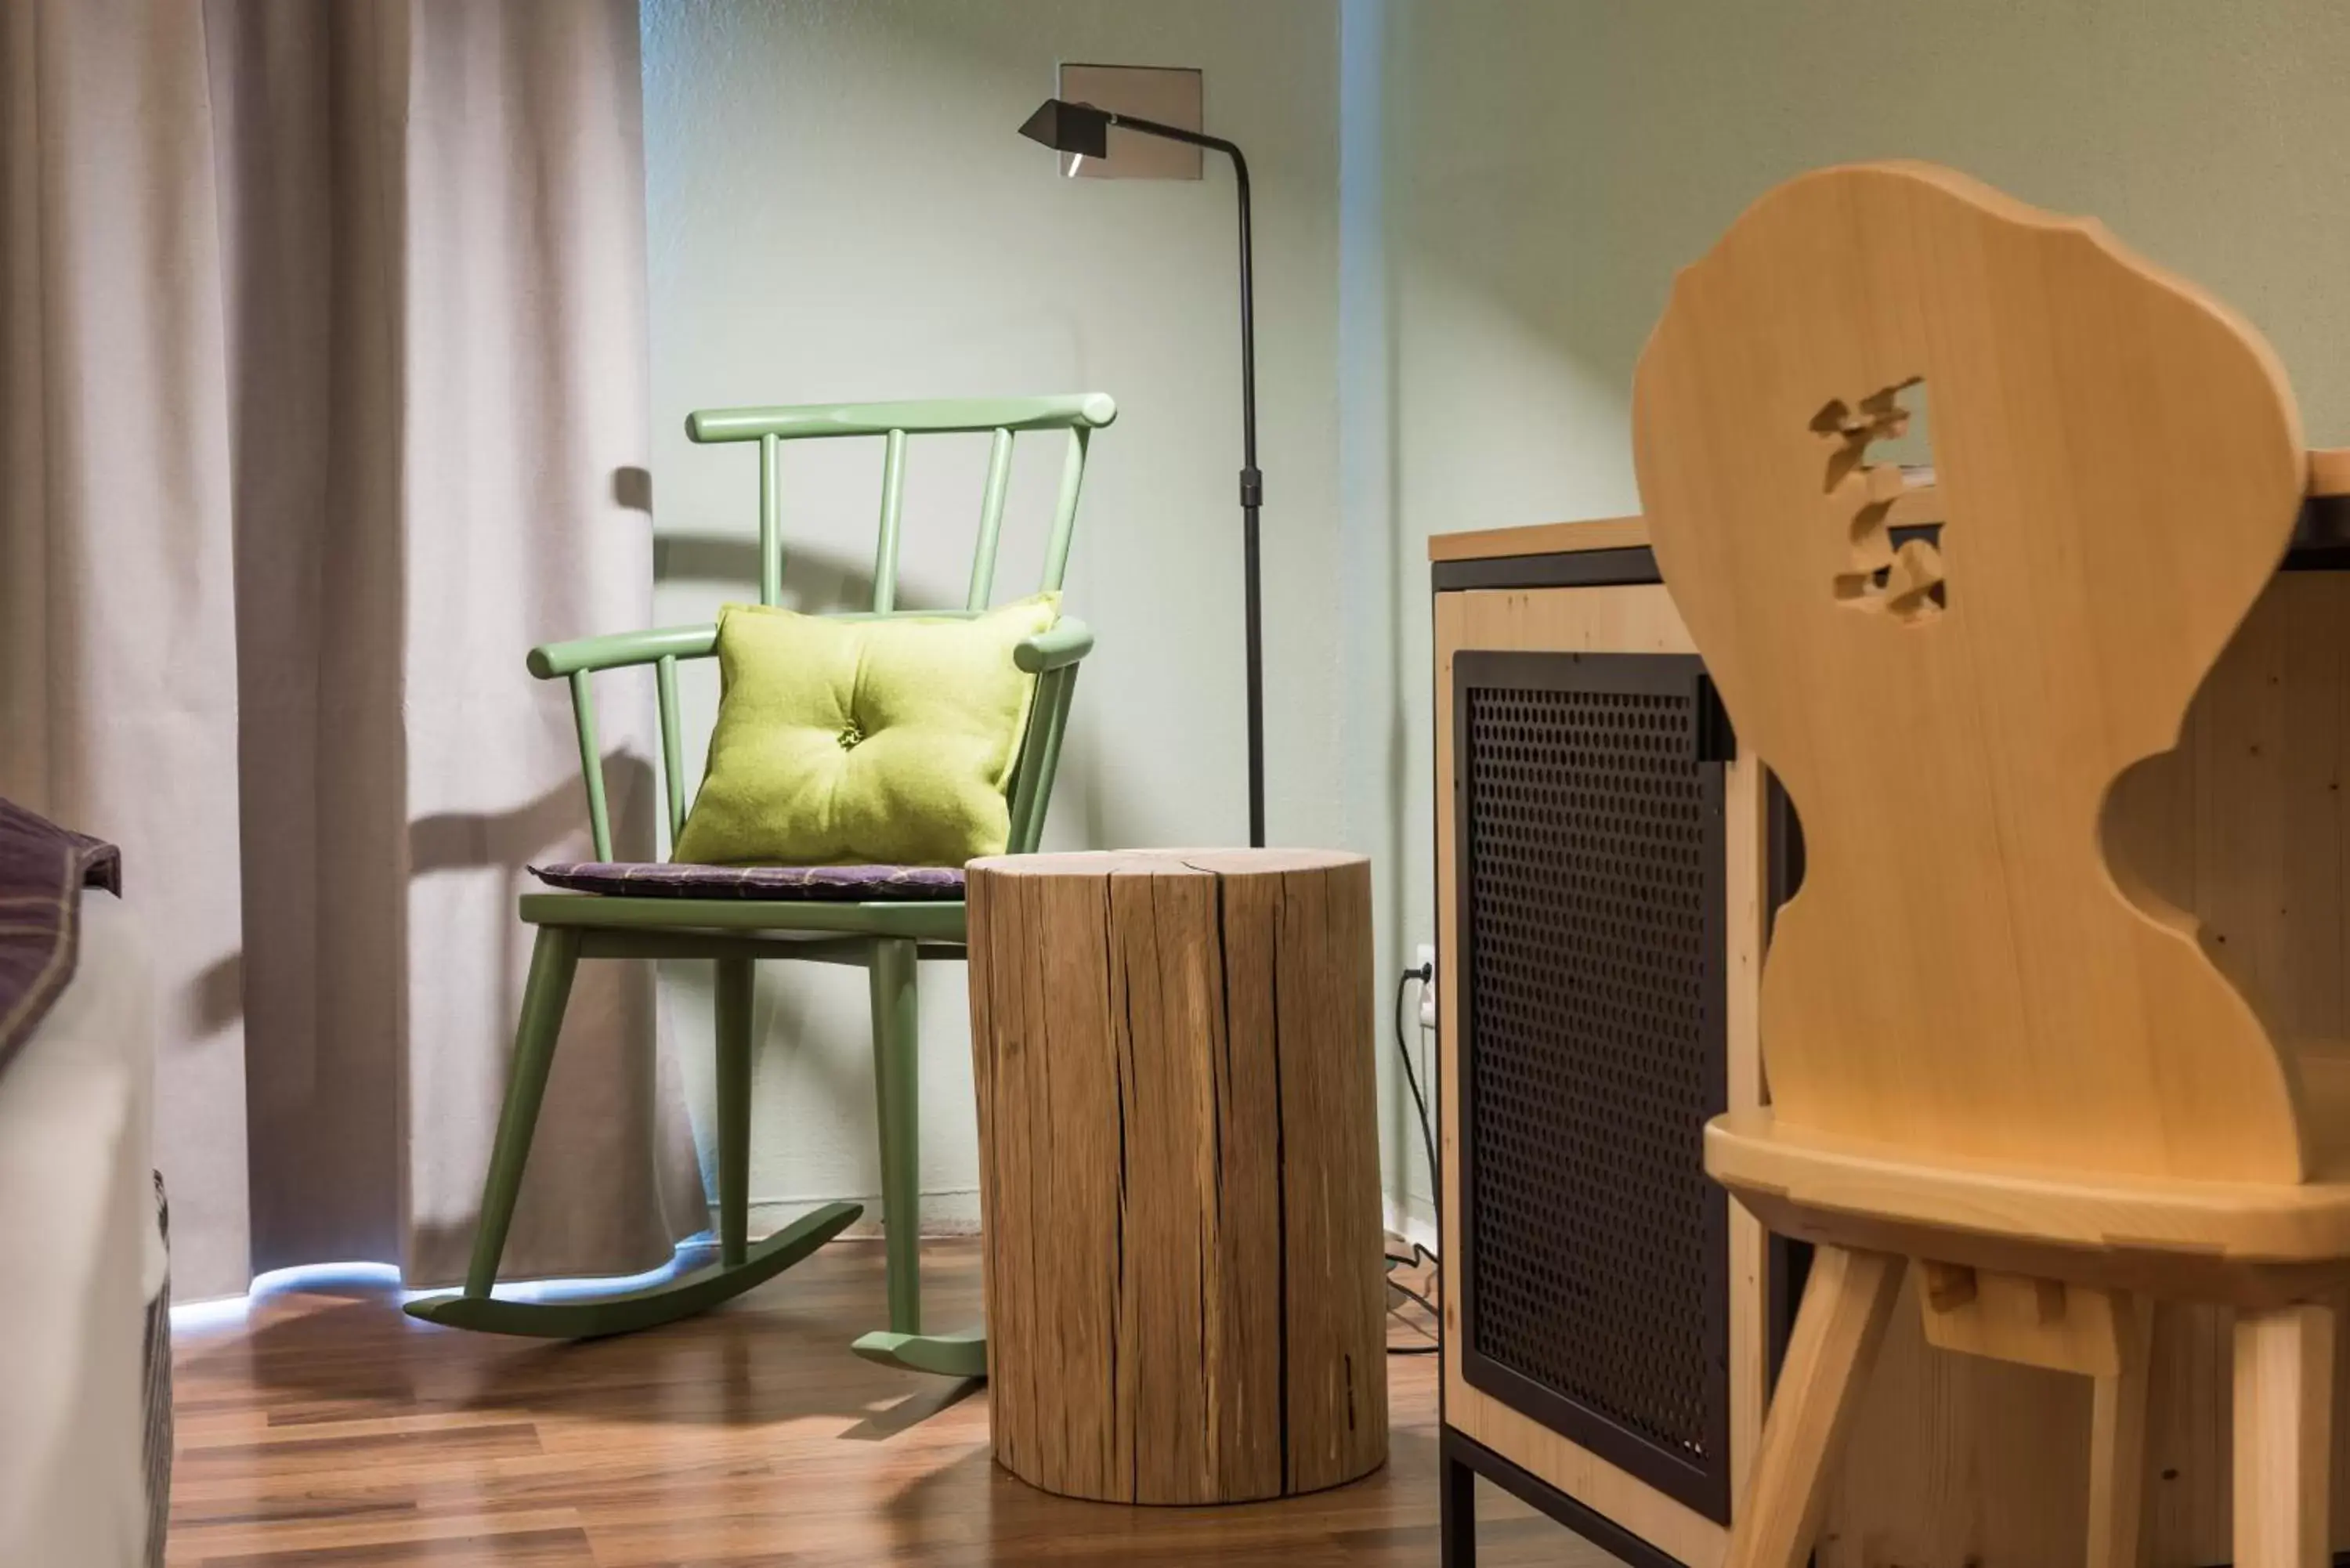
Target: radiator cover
[(1594, 1272)]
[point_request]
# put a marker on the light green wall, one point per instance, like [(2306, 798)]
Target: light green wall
[(1548, 165), (840, 209), (1469, 212)]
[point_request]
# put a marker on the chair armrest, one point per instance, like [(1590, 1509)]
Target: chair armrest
[(553, 660), (1068, 640)]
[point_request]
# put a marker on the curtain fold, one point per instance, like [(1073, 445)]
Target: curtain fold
[(322, 336)]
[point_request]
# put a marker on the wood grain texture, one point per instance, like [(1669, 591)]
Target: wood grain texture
[(2120, 465), (2329, 470), (1539, 539), (2117, 1406), (2057, 569), (1637, 619), (2246, 826), (1847, 1304), (2283, 1422), (328, 1429), (1921, 501), (1961, 1459), (1745, 796), (2036, 1321), (2243, 825), (2240, 1242), (1981, 1203), (1180, 1170), (1956, 1460)]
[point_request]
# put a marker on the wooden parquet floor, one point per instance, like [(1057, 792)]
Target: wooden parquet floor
[(332, 1431)]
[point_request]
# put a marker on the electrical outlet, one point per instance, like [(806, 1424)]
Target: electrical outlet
[(1424, 957)]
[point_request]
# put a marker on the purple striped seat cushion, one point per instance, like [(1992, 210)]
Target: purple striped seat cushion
[(844, 884)]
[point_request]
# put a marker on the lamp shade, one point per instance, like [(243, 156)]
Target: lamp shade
[(1067, 127)]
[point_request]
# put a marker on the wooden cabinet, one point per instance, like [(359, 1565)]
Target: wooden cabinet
[(1607, 863), (1601, 894)]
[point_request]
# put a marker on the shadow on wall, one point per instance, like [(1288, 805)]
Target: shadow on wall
[(329, 1040), (509, 840), (513, 838), (813, 583), (632, 488)]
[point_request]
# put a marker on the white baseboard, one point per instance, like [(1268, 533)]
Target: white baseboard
[(955, 1213), (951, 1212), (1411, 1217)]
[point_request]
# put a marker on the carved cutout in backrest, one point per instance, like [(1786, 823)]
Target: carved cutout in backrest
[(2120, 462)]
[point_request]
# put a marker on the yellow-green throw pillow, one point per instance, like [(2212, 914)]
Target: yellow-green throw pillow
[(845, 743)]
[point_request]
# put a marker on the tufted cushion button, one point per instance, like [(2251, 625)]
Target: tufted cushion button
[(849, 736)]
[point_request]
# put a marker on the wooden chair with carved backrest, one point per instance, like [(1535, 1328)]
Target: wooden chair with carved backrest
[(1990, 1052), (716, 913)]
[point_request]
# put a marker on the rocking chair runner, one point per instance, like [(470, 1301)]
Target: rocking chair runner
[(888, 936)]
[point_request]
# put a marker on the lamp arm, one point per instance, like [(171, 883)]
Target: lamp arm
[(1252, 479), (1251, 482), (1173, 132)]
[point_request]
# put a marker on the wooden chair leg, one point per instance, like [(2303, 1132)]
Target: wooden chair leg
[(896, 1067), (2284, 1417), (1847, 1300), (736, 977), (741, 1267), (554, 960), (2117, 1445), (897, 1058)]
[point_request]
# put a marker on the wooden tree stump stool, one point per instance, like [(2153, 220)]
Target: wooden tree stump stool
[(1179, 1171)]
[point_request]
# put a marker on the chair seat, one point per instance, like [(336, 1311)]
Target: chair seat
[(926, 921), (2154, 1233), (837, 884)]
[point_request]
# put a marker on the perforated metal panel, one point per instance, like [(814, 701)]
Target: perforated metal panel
[(1596, 1278)]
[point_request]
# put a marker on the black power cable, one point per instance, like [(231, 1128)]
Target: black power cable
[(1424, 974)]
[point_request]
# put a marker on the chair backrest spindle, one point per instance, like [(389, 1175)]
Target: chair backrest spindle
[(1003, 419), (672, 751), (771, 520), (991, 521), (1040, 756), (591, 762), (893, 506), (1064, 511)]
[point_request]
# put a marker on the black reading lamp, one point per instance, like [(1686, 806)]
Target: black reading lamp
[(1082, 130)]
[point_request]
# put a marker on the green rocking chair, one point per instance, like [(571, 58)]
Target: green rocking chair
[(889, 938)]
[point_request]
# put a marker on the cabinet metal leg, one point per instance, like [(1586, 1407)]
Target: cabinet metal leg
[(1457, 1513)]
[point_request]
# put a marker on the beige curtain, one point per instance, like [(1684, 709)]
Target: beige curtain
[(322, 396)]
